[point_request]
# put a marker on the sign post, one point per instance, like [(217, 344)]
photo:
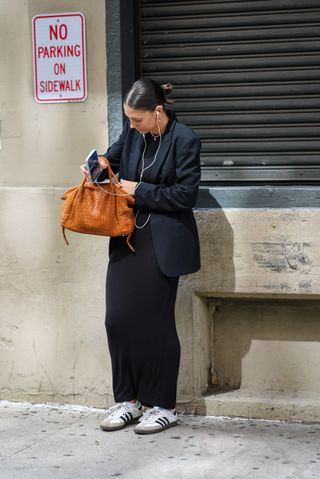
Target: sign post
[(59, 57)]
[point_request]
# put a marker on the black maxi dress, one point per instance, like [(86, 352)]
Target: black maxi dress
[(140, 319)]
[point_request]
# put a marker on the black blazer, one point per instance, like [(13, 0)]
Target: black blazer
[(171, 195)]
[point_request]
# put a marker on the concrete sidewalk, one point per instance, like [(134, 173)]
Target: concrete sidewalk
[(51, 441)]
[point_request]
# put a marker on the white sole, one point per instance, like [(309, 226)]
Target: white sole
[(154, 431), (122, 426)]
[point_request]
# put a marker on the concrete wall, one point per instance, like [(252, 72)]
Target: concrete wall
[(252, 314), (52, 338)]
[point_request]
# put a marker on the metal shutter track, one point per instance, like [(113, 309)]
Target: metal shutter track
[(246, 76)]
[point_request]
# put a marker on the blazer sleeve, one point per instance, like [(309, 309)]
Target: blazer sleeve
[(183, 193), (114, 152)]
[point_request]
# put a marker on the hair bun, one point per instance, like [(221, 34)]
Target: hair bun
[(167, 88)]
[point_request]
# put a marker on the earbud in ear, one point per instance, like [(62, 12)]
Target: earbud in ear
[(158, 113)]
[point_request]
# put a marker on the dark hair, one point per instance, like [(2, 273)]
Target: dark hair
[(146, 94)]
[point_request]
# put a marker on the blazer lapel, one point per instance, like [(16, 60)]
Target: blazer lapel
[(161, 156), (131, 165), (164, 148)]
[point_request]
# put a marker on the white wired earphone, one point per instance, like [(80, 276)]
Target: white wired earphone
[(143, 169)]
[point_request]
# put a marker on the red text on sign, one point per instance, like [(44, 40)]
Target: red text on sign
[(59, 86), (59, 51), (59, 68), (58, 31)]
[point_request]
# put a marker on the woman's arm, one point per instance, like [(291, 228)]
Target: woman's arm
[(183, 193), (113, 153)]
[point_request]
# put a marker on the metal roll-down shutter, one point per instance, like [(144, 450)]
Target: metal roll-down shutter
[(246, 79)]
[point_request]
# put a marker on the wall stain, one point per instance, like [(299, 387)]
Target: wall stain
[(305, 285), (42, 367), (6, 343), (281, 256)]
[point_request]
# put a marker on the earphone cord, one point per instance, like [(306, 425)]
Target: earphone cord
[(143, 169), (117, 194)]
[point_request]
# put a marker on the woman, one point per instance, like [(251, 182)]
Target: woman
[(157, 160)]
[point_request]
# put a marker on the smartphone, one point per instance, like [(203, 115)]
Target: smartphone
[(93, 166)]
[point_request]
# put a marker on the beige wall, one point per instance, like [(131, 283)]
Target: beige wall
[(52, 338), (46, 142)]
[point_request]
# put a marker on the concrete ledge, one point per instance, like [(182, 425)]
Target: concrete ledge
[(274, 405), (264, 196)]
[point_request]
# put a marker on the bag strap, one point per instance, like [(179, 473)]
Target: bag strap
[(129, 244), (64, 235)]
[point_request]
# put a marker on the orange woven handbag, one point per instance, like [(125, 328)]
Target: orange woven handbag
[(98, 210)]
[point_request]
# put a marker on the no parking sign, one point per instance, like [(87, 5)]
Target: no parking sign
[(59, 57)]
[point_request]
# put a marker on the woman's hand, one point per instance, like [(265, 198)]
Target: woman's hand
[(103, 162), (84, 171), (127, 186)]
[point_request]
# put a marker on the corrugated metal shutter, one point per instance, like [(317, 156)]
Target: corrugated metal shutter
[(246, 77)]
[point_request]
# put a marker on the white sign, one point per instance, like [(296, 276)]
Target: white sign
[(59, 57)]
